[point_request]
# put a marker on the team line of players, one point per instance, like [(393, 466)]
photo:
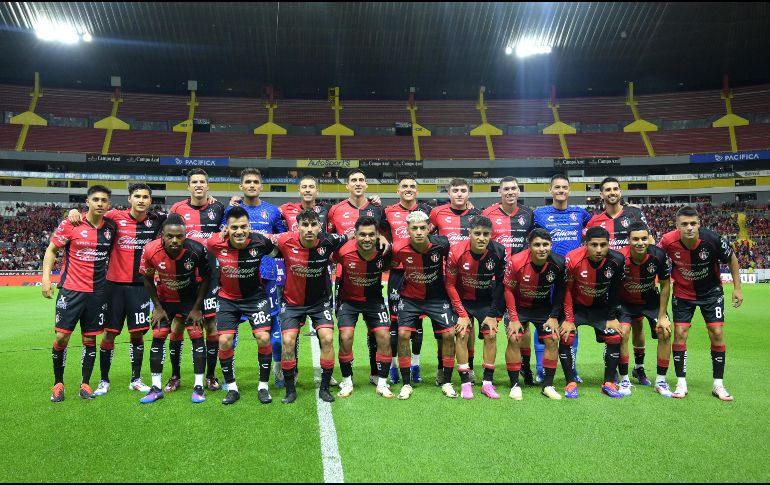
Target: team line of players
[(452, 263)]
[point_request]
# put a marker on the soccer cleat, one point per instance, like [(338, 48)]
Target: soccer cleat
[(346, 389), (662, 388), (278, 376), (439, 378), (624, 387), (529, 378), (448, 390), (373, 379), (86, 392), (406, 392), (333, 382), (231, 397), (416, 375), (641, 376), (571, 391), (721, 393), (551, 393), (610, 389), (197, 395), (395, 377), (154, 395), (680, 392), (290, 397), (490, 391), (264, 396), (473, 377), (173, 384), (138, 385), (385, 392), (57, 393), (325, 395), (540, 377), (212, 384), (466, 390), (102, 389), (516, 393)]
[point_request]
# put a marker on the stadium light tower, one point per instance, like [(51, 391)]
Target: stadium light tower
[(528, 48)]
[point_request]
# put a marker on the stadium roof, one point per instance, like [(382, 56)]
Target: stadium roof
[(378, 50)]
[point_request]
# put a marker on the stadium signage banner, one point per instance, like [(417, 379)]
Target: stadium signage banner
[(390, 164), (327, 163), (585, 162), (195, 162), (730, 157), (98, 158)]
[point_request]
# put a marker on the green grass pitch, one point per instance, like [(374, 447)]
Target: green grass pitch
[(429, 438)]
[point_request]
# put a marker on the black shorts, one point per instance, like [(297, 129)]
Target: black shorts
[(209, 306), (293, 316), (230, 313), (127, 303), (629, 313), (176, 309), (594, 317), (88, 308), (395, 279), (479, 311), (537, 317), (375, 315), (438, 310), (712, 309)]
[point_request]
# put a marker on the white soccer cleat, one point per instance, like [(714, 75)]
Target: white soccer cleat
[(516, 393), (680, 392), (138, 385), (346, 389), (718, 392), (406, 392), (624, 388), (550, 392), (385, 392), (662, 388), (448, 390), (102, 389)]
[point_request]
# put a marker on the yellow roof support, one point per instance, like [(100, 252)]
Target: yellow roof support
[(337, 129), (485, 129), (639, 125), (558, 127), (111, 122), (29, 118)]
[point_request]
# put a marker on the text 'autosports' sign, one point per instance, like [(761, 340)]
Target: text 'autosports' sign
[(99, 158), (730, 157), (327, 163), (585, 162), (195, 161)]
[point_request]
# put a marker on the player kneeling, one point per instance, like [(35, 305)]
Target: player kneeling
[(534, 293), (363, 261), (176, 261), (640, 298), (594, 277)]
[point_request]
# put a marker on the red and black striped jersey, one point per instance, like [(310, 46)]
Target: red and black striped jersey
[(361, 279), (307, 273), (132, 237), (396, 215), (618, 226), (639, 280), (291, 210), (86, 254), (593, 285), (343, 216), (451, 223), (696, 271), (534, 287), (239, 269), (423, 272), (511, 230), (201, 222), (475, 277), (176, 277)]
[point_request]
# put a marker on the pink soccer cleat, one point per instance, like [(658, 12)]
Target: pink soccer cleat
[(490, 391)]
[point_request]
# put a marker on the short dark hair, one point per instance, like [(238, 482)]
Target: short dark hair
[(309, 177), (608, 180), (353, 172), (308, 215), (638, 226), (539, 232), (196, 171), (139, 186), (480, 221), (366, 221), (98, 188), (559, 176), (597, 232), (250, 171), (408, 178), (236, 213), (687, 211), (173, 219), (508, 179), (458, 182)]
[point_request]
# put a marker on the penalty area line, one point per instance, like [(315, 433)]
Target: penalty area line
[(330, 451)]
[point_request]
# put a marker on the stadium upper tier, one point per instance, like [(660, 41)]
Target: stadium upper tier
[(599, 122)]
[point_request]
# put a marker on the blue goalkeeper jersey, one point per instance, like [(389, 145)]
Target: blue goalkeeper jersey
[(566, 226)]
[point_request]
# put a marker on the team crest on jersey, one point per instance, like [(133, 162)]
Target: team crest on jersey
[(521, 220), (317, 209), (703, 254), (446, 306), (370, 213), (573, 217), (549, 277), (608, 273), (321, 251), (107, 234), (212, 216), (379, 264), (435, 257), (188, 265), (253, 252), (625, 223), (148, 222), (652, 269), (490, 265)]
